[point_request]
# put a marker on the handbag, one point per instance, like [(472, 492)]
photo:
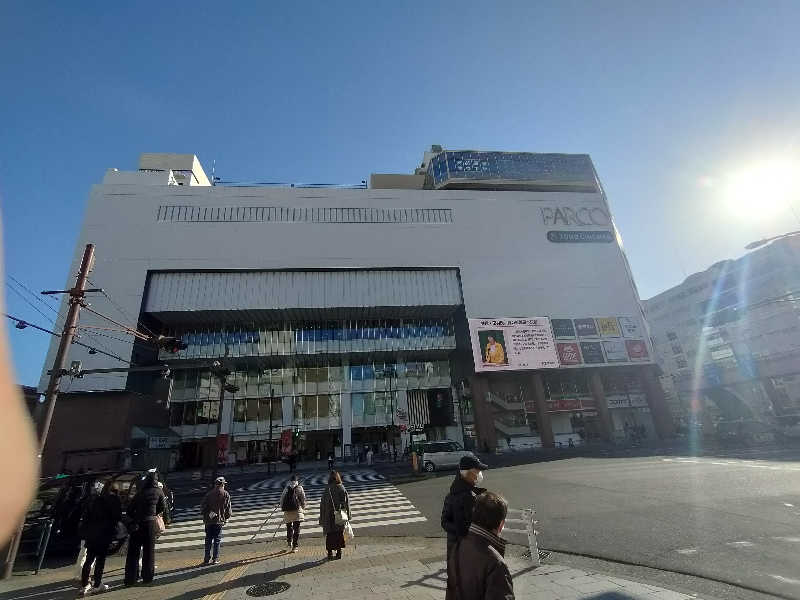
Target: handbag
[(340, 516), (160, 526)]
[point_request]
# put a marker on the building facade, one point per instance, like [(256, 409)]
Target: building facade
[(484, 298), (727, 339)]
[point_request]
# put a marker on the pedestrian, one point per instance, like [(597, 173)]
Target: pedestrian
[(216, 509), (369, 456), (457, 508), (330, 461), (334, 513), (98, 529), (477, 569), (293, 504), (146, 514)]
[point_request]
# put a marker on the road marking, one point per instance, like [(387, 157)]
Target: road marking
[(793, 540), (722, 463), (234, 573), (687, 550), (783, 579), (789, 504), (741, 544)]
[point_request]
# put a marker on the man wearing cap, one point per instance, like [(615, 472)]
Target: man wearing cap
[(458, 504), (216, 510)]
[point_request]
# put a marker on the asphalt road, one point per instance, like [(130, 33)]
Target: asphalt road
[(733, 518)]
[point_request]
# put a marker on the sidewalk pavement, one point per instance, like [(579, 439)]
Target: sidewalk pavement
[(390, 568)]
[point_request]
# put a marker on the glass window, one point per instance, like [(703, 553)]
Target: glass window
[(189, 410), (334, 406), (309, 407), (176, 414), (202, 413), (298, 409), (357, 402), (369, 404), (240, 410), (323, 406), (252, 409)]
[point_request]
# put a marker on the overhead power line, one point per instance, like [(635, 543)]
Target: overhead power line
[(121, 310), (22, 324)]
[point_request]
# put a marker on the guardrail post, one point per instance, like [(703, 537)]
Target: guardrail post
[(529, 515)]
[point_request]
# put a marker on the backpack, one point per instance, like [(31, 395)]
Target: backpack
[(290, 501)]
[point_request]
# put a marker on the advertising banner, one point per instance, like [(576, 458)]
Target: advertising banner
[(222, 448), (631, 328), (585, 327), (569, 353), (615, 351), (608, 326), (508, 344), (592, 353), (637, 349), (563, 329)]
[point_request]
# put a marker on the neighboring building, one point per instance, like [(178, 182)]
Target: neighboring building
[(727, 338), (33, 401), (354, 316), (108, 430)]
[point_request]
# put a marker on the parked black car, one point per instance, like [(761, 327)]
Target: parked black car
[(65, 498)]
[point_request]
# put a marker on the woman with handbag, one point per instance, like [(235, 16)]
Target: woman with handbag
[(334, 513), (145, 512), (99, 531)]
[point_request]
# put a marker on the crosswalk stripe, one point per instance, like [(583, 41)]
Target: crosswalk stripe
[(303, 532), (260, 515), (242, 508), (374, 503)]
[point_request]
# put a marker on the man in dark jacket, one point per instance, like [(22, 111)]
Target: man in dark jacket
[(216, 510), (457, 509), (476, 569), (146, 505)]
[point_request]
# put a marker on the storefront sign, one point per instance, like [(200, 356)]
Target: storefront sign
[(580, 237), (585, 327), (615, 351), (509, 344), (563, 328), (617, 401), (568, 216), (631, 328), (592, 353), (608, 326), (638, 399), (563, 404), (569, 353), (637, 349), (159, 441)]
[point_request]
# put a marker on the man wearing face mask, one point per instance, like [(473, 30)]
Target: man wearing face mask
[(476, 569), (458, 504)]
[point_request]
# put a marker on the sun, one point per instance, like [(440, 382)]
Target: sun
[(763, 189)]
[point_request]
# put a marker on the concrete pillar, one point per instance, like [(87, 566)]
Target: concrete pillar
[(225, 416), (542, 416), (484, 419), (287, 408), (656, 401), (346, 413), (596, 388)]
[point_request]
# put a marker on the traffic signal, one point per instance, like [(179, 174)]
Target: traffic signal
[(171, 344)]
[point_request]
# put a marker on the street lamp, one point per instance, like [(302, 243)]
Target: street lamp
[(762, 242)]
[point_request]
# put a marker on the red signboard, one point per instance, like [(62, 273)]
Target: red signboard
[(286, 442), (222, 448), (561, 404), (637, 349), (569, 353)]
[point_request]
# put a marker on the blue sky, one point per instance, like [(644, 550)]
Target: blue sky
[(671, 99)]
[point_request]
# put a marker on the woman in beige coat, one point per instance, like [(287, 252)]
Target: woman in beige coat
[(293, 504)]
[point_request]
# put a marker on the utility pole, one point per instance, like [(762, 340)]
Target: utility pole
[(76, 295)]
